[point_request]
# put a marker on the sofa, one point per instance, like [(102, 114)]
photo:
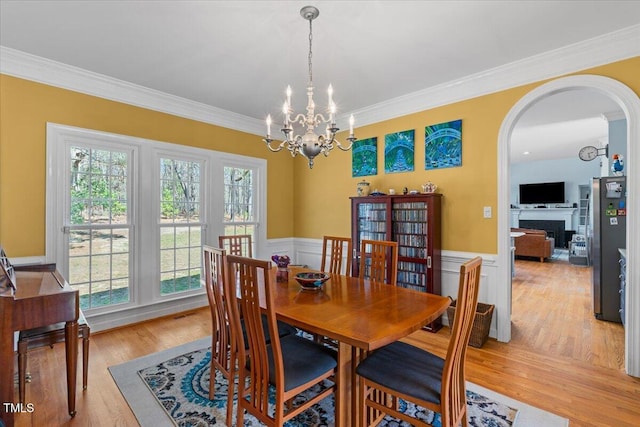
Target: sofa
[(534, 243)]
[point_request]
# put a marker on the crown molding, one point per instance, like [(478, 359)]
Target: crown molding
[(31, 67), (616, 46), (612, 47)]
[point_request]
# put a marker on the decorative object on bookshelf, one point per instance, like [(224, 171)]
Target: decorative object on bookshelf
[(414, 222), (363, 188), (429, 187)]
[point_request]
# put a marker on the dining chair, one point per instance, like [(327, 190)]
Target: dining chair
[(224, 355), (240, 245), (422, 378), (335, 247), (287, 366), (379, 261)]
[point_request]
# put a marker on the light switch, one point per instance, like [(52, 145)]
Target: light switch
[(487, 211)]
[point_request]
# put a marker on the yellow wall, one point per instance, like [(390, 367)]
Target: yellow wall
[(322, 195), (317, 203), (26, 107)]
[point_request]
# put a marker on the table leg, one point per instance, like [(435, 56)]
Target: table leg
[(345, 414), (71, 350), (356, 357)]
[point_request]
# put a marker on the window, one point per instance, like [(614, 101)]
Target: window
[(99, 226), (180, 225), (239, 209), (127, 217)]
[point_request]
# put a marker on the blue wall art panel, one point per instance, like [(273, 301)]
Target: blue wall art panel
[(399, 150), (443, 145), (364, 157)]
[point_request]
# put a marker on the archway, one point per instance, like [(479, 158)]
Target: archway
[(630, 105)]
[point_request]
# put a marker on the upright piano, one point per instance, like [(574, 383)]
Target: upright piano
[(41, 297)]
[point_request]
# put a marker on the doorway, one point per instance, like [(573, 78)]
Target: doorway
[(628, 101)]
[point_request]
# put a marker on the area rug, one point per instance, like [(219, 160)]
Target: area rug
[(172, 388)]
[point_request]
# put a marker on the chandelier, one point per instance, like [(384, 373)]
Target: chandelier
[(309, 144)]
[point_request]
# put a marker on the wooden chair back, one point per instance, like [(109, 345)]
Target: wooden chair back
[(336, 247), (240, 245), (223, 352), (264, 362), (249, 274), (453, 393), (379, 261)]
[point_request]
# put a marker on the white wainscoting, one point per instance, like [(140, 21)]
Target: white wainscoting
[(301, 251), (309, 252)]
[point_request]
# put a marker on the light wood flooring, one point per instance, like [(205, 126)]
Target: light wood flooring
[(560, 359)]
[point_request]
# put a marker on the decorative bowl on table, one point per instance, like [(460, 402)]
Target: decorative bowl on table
[(311, 280)]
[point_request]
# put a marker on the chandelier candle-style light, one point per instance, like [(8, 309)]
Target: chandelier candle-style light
[(309, 144)]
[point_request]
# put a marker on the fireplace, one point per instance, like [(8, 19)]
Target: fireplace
[(553, 228)]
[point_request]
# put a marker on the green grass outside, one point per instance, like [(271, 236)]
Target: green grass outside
[(121, 295)]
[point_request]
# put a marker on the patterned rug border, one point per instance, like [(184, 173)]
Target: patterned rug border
[(149, 412)]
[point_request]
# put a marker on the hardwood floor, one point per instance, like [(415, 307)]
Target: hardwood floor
[(560, 359), (552, 313)]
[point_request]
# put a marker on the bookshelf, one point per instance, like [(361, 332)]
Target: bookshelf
[(414, 222)]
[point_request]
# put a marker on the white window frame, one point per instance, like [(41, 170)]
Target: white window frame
[(259, 168), (205, 202), (145, 207), (59, 140)]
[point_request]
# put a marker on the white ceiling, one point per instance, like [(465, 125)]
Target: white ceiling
[(240, 55), (558, 126)]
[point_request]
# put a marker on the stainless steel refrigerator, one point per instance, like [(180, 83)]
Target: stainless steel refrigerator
[(609, 225)]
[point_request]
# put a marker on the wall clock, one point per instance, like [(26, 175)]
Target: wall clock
[(590, 152)]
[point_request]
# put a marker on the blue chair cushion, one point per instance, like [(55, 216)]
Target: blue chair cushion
[(303, 360), (406, 369), (284, 329)]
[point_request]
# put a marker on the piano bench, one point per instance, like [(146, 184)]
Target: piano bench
[(50, 335)]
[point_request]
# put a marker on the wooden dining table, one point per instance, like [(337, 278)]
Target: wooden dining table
[(359, 314)]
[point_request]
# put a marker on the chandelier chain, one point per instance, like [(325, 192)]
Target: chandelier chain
[(310, 51)]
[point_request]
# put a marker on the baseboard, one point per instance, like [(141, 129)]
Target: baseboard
[(137, 314)]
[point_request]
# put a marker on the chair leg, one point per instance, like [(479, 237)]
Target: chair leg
[(22, 369), (360, 407), (86, 333), (230, 389), (212, 380), (240, 412)]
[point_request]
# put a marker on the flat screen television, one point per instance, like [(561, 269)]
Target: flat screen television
[(546, 192)]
